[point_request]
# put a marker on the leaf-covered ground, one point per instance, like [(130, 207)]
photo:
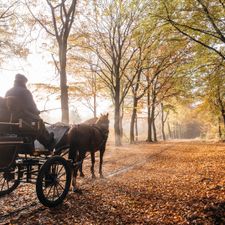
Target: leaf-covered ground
[(165, 183)]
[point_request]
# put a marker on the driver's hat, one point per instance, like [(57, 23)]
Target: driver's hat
[(21, 78)]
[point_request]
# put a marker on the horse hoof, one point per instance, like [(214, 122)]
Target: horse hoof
[(82, 175), (93, 177), (76, 190), (102, 177)]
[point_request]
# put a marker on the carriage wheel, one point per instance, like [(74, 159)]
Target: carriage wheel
[(9, 180), (53, 181)]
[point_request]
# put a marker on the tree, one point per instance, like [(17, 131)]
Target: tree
[(165, 111), (211, 91), (88, 87), (139, 69), (58, 25), (167, 80), (12, 31), (202, 21), (111, 41)]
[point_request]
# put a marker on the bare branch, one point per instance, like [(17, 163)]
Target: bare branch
[(39, 21), (207, 13)]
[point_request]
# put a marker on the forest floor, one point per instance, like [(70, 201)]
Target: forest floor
[(163, 183)]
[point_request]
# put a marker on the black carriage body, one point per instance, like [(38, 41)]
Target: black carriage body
[(17, 149), (21, 162)]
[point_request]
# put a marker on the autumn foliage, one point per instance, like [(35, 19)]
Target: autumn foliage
[(172, 183)]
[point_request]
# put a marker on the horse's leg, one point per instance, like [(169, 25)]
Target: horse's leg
[(101, 162), (81, 169), (79, 161), (74, 177), (93, 164), (73, 155)]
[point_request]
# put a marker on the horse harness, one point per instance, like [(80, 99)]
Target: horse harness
[(104, 134), (105, 137)]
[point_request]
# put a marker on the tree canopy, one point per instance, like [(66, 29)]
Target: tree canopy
[(151, 59)]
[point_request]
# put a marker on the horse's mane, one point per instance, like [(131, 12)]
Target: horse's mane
[(91, 121), (97, 121), (102, 118)]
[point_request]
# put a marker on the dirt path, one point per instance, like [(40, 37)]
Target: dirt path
[(165, 183)]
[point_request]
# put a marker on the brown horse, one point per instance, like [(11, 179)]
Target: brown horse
[(91, 121), (84, 138)]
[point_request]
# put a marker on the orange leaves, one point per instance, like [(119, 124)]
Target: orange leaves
[(170, 183)]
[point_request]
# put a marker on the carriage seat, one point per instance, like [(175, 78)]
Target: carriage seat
[(11, 146), (20, 144), (19, 127), (6, 140)]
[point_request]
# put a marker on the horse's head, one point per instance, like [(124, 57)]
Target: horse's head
[(103, 121)]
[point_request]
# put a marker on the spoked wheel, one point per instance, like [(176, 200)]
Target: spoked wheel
[(9, 180), (53, 181)]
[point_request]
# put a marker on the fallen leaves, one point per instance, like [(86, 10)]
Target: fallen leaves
[(173, 183)]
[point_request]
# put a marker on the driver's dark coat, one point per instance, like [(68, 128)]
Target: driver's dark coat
[(24, 97)]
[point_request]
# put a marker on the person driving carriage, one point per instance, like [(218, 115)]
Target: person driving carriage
[(29, 111)]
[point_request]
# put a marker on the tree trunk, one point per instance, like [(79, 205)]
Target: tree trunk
[(117, 126), (174, 131), (94, 89), (136, 129), (133, 117), (121, 128), (95, 106), (117, 114), (149, 138), (169, 130), (63, 83), (221, 104), (154, 130), (163, 123), (223, 115), (153, 119), (219, 129), (121, 120), (180, 131)]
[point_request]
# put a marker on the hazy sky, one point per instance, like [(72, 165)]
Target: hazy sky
[(37, 70)]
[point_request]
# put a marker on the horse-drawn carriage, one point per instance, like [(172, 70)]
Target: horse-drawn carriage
[(22, 160)]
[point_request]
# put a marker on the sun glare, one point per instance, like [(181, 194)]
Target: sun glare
[(6, 82)]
